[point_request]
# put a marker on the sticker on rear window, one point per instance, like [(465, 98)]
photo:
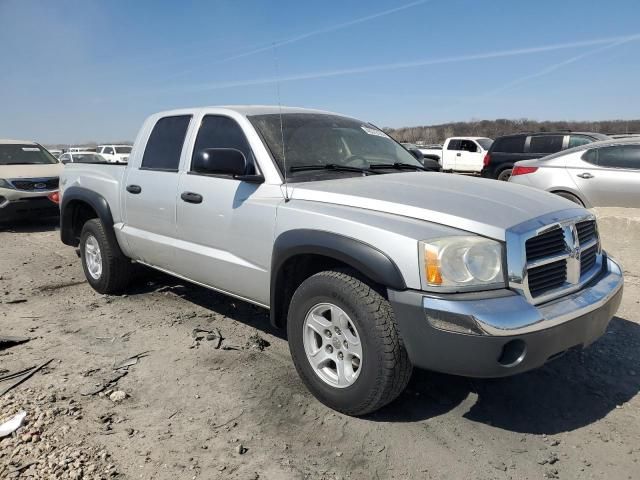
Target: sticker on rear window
[(30, 149), (373, 131)]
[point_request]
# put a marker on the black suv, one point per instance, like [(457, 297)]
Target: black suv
[(510, 149)]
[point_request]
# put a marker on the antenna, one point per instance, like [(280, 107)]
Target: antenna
[(284, 154)]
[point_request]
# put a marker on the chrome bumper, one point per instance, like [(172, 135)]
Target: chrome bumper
[(513, 315)]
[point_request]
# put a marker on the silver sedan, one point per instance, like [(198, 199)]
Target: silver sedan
[(600, 174)]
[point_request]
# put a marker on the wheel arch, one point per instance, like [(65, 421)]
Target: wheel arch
[(571, 192), (79, 205), (298, 254)]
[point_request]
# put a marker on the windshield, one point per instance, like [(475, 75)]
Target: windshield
[(25, 155), (123, 149), (319, 139), (485, 143), (88, 158)]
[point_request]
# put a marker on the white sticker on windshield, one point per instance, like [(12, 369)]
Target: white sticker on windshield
[(30, 149), (373, 131)]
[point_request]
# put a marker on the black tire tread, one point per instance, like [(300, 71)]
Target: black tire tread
[(394, 377)]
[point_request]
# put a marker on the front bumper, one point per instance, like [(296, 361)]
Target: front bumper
[(505, 334), (27, 207)]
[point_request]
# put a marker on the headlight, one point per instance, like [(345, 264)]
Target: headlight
[(5, 184), (461, 263)]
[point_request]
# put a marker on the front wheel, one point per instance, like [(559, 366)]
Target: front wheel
[(345, 344)]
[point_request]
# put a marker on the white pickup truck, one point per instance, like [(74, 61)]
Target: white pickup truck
[(371, 263), (461, 154)]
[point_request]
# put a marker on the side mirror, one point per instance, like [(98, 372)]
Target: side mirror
[(416, 153), (220, 161)]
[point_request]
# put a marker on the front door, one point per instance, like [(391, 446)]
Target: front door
[(226, 226), (150, 194)]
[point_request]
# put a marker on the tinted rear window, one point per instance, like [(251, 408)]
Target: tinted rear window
[(165, 144), (615, 156), (509, 144), (546, 143)]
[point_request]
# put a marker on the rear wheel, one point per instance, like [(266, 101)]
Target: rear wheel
[(504, 175), (106, 268), (345, 344), (570, 196)]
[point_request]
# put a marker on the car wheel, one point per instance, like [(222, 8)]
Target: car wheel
[(504, 175), (105, 267), (345, 343), (571, 197)]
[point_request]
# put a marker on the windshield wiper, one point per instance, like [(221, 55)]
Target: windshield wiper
[(330, 166), (397, 166)]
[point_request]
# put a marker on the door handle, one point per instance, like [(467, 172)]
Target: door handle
[(585, 175), (191, 197), (458, 154), (135, 189)]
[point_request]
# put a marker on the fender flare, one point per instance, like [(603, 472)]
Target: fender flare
[(365, 258), (96, 201)]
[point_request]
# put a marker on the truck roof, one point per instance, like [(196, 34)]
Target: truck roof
[(247, 110), (7, 141)]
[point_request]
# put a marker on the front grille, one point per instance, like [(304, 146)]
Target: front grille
[(588, 259), (547, 277), (557, 261), (546, 245), (36, 184), (586, 231)]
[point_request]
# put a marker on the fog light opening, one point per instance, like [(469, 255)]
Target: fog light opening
[(513, 353)]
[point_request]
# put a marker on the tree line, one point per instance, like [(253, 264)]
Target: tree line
[(494, 128)]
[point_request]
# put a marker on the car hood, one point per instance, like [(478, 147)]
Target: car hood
[(31, 171), (485, 207)]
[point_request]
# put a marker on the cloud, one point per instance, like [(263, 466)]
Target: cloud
[(557, 66), (607, 42)]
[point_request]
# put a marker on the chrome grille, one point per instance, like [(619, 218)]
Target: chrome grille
[(554, 255)]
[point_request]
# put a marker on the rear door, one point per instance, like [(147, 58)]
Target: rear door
[(450, 153), (609, 176), (225, 225), (542, 145), (150, 193)]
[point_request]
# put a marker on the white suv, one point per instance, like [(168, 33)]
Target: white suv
[(115, 153)]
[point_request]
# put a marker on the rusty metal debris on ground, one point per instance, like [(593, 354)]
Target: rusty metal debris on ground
[(20, 377), (6, 342), (109, 382), (130, 361)]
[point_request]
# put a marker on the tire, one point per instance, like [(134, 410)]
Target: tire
[(571, 197), (383, 370), (106, 269), (504, 175)]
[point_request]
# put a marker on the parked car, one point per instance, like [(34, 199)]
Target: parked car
[(115, 153), (81, 149), (429, 162), (371, 264), (464, 154), (600, 174), (29, 178), (55, 152), (82, 157), (509, 149)]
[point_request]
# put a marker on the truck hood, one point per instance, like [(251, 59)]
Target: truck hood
[(31, 171), (485, 207)]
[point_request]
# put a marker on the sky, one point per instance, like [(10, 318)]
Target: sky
[(89, 70)]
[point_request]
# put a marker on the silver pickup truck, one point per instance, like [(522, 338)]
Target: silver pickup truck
[(372, 264)]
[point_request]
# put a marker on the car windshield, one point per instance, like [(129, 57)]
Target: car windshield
[(316, 140), (88, 158), (18, 154), (123, 149), (485, 143)]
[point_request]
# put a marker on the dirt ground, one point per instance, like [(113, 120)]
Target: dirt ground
[(235, 409)]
